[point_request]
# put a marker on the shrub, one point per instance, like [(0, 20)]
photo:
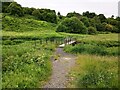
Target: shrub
[(72, 25), (92, 30)]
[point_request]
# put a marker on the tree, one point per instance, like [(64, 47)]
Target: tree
[(59, 15), (28, 10), (15, 9), (108, 28), (5, 6), (85, 20), (72, 25), (36, 13), (101, 26), (102, 18), (88, 14), (73, 14), (45, 15)]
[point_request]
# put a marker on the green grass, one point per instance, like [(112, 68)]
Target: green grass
[(26, 61), (103, 44), (92, 49), (93, 71), (97, 62), (25, 65)]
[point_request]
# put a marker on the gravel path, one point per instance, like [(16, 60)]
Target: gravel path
[(61, 68)]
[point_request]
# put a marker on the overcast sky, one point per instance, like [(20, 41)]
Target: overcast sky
[(106, 7)]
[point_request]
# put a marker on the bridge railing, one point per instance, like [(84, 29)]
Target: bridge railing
[(56, 41)]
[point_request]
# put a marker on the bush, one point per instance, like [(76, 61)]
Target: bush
[(72, 25), (92, 30)]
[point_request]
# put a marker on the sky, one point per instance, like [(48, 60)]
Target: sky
[(106, 7)]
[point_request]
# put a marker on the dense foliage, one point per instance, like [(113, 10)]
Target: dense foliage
[(15, 9), (72, 25), (45, 15), (99, 22), (92, 30)]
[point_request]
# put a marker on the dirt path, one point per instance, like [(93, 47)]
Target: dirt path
[(61, 67)]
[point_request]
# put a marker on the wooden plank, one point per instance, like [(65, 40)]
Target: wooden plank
[(68, 43)]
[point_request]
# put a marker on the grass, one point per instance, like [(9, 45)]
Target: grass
[(97, 62), (103, 44), (92, 49), (26, 61), (93, 71), (27, 64)]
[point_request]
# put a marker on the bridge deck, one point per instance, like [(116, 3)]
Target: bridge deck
[(68, 43)]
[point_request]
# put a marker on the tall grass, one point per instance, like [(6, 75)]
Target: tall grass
[(93, 71), (103, 48), (26, 65)]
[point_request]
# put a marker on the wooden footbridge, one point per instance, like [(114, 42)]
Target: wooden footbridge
[(68, 41), (61, 42)]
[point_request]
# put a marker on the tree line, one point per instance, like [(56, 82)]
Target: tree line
[(73, 22), (13, 8)]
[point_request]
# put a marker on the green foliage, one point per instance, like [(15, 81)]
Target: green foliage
[(15, 9), (87, 48), (101, 27), (95, 47), (72, 25), (102, 18), (97, 72), (85, 20), (60, 16), (27, 64), (5, 6), (23, 24), (28, 10), (88, 14), (73, 14), (36, 13), (92, 30), (109, 28), (45, 15)]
